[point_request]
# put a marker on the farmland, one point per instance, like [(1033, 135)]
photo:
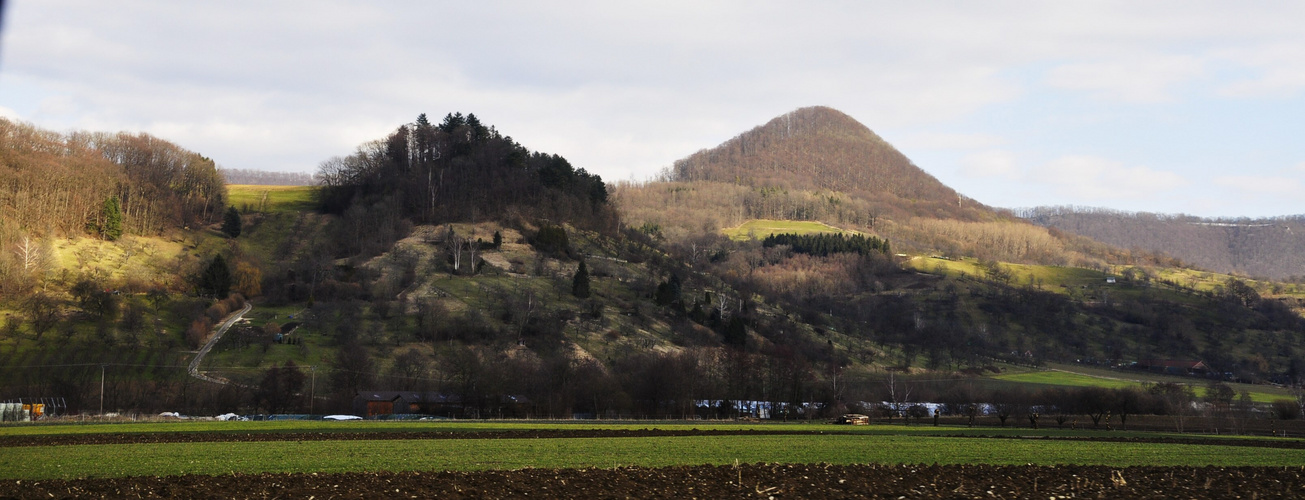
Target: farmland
[(274, 199), (244, 458), (368, 447)]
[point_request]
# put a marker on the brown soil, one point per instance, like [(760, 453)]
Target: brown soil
[(747, 481)]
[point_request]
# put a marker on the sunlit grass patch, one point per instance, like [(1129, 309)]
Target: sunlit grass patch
[(256, 198), (761, 228)]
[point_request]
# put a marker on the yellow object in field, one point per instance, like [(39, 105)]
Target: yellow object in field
[(35, 410)]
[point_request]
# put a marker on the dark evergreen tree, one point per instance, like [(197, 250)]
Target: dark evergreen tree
[(215, 281), (824, 244), (736, 332), (111, 214), (580, 284), (231, 223), (668, 292), (551, 240), (498, 240)]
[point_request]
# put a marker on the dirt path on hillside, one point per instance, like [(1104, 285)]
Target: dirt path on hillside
[(193, 369)]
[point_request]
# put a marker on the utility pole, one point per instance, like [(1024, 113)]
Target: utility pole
[(312, 391), (101, 389)]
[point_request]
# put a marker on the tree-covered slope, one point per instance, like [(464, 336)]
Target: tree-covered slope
[(1256, 247)]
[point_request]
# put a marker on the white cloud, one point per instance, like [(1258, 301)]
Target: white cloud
[(9, 114), (1274, 70), (1090, 177), (992, 163), (1252, 185), (624, 90), (1130, 79)]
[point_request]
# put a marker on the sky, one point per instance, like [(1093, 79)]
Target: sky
[(1174, 107)]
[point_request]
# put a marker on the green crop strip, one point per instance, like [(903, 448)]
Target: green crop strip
[(399, 455)]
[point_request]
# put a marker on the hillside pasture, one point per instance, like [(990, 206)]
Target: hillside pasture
[(1073, 376), (757, 229), (270, 199)]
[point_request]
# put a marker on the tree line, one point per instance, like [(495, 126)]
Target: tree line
[(823, 244), (266, 178)]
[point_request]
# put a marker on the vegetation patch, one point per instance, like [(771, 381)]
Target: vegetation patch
[(757, 229), (271, 199), (167, 459)]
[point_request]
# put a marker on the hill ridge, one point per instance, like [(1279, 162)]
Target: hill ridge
[(817, 148)]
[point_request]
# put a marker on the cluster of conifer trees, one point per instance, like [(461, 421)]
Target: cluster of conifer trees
[(461, 170), (823, 244)]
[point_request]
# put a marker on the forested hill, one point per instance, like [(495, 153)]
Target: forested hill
[(1268, 248), (459, 170), (819, 148), (819, 164), (55, 184), (58, 182)]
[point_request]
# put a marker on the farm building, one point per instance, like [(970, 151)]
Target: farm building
[(1174, 367), (376, 403)]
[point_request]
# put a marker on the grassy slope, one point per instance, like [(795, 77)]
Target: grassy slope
[(1080, 376), (873, 444), (140, 262), (249, 197), (761, 228), (132, 263)]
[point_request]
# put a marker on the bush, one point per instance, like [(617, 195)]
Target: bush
[(551, 240), (1286, 409), (197, 332)]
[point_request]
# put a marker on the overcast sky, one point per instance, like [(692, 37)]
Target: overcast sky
[(1183, 106)]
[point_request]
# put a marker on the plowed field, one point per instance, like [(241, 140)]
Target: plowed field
[(746, 481)]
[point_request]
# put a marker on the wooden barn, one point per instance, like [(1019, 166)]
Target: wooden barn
[(372, 404)]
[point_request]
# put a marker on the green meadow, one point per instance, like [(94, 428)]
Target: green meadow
[(835, 445), (256, 198), (761, 228)]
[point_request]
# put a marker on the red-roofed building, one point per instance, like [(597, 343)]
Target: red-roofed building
[(1174, 367)]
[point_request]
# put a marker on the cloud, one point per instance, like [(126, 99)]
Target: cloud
[(1273, 70), (1091, 177), (9, 114), (1131, 79), (992, 163), (624, 90), (1253, 185)]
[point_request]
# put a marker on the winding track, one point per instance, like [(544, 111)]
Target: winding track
[(199, 358)]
